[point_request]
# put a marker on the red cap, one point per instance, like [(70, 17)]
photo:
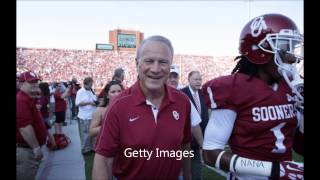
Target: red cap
[(29, 77)]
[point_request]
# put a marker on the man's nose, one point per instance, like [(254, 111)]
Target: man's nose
[(155, 67)]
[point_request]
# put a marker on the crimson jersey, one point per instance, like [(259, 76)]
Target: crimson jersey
[(266, 120)]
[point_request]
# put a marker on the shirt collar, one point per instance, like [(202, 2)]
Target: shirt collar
[(140, 98), (192, 92)]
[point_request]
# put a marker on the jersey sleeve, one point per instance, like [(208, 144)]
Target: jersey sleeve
[(217, 93), (219, 129)]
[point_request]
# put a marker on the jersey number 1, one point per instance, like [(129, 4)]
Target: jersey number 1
[(280, 147)]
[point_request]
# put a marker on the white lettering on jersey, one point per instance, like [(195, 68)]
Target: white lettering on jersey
[(285, 110), (280, 147), (272, 113), (264, 114), (256, 114), (277, 112), (213, 103)]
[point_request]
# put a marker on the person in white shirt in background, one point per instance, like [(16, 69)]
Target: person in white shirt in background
[(86, 100)]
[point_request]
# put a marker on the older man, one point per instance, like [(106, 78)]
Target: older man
[(31, 132), (149, 117), (193, 91)]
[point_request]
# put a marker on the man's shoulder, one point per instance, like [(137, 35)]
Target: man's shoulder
[(223, 81), (22, 97), (81, 91), (185, 89), (23, 102)]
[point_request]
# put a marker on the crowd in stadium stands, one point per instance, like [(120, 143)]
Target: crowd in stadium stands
[(62, 65)]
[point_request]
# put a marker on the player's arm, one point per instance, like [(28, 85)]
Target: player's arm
[(102, 167), (217, 134)]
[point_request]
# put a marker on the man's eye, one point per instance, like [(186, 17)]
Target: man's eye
[(148, 60), (163, 62)]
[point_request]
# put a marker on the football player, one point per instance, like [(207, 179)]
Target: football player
[(258, 109)]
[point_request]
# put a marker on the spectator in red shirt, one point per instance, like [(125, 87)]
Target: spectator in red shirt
[(60, 107), (75, 86), (31, 132)]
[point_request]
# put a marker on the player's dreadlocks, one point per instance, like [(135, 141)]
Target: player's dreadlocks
[(245, 66)]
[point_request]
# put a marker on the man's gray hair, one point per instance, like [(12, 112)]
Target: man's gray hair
[(155, 38)]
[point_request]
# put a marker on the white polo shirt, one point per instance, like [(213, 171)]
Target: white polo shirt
[(83, 95)]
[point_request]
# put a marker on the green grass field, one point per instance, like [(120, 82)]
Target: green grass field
[(207, 174)]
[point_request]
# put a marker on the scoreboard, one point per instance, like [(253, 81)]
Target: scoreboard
[(126, 40)]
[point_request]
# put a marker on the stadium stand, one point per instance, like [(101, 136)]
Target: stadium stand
[(62, 64)]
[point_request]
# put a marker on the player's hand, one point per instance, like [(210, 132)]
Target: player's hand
[(290, 170)]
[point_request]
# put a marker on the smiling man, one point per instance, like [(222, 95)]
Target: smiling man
[(148, 115)]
